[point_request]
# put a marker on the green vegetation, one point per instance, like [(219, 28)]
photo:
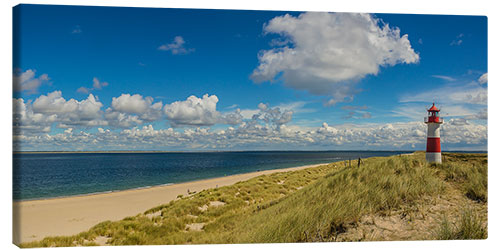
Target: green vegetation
[(469, 226), (315, 204), (469, 172)]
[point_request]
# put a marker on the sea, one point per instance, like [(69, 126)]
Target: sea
[(49, 175)]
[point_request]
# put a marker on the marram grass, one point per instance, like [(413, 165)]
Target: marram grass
[(315, 204)]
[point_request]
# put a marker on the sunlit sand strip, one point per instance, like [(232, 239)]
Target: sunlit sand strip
[(37, 219)]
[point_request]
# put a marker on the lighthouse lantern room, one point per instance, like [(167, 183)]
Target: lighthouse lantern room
[(433, 121)]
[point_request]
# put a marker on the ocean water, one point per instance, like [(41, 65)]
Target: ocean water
[(48, 175)]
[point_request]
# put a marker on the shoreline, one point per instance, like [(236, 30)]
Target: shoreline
[(154, 186), (99, 192), (63, 216)]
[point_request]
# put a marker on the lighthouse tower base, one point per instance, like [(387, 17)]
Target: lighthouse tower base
[(433, 157)]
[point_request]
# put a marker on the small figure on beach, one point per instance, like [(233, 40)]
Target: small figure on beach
[(359, 162), (188, 190)]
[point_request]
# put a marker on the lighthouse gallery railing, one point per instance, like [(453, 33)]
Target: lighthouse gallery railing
[(436, 119)]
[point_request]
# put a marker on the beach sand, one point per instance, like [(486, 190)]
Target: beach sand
[(37, 219)]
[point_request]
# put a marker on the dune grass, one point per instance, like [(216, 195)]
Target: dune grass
[(469, 172), (322, 210), (469, 226), (315, 204)]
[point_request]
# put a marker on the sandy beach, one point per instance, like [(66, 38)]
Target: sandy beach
[(37, 219)]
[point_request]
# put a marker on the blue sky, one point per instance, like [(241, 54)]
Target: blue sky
[(103, 78)]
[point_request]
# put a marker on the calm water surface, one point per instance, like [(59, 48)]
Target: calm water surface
[(38, 176)]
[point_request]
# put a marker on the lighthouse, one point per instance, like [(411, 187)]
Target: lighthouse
[(433, 121)]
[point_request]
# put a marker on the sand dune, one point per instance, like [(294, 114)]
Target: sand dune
[(34, 220)]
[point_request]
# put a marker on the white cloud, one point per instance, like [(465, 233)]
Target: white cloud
[(124, 120), (129, 103), (52, 109), (232, 118), (296, 107), (25, 121), (249, 113), (356, 112), (483, 79), (71, 112), (257, 135), (83, 90), (458, 122), (481, 115), (268, 128), (126, 111), (176, 46), (331, 51), (98, 84), (131, 110), (273, 115), (417, 111), (470, 93), (26, 81), (232, 106), (193, 111), (54, 103), (447, 78)]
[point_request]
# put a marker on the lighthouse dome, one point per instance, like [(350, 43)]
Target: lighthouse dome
[(433, 108)]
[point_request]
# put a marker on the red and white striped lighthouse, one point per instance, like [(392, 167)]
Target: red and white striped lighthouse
[(433, 121)]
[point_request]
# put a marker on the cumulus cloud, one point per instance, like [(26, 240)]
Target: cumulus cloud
[(54, 103), (129, 103), (24, 120), (232, 118), (193, 111), (273, 115), (125, 111), (268, 128), (257, 135), (130, 110), (26, 81), (176, 46), (52, 109), (124, 120), (330, 52)]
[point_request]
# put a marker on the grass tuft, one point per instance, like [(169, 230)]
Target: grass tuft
[(469, 226)]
